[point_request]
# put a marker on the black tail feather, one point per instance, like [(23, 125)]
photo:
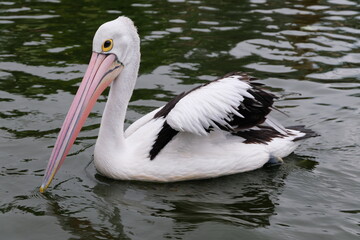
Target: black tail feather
[(308, 132)]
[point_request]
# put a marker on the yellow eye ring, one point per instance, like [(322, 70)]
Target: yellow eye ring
[(107, 45)]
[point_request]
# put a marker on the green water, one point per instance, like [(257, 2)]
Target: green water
[(306, 51)]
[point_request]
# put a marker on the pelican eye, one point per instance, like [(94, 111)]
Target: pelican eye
[(107, 45)]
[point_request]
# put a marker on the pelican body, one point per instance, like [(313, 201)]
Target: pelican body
[(219, 128)]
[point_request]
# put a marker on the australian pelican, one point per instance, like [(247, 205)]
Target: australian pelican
[(219, 128)]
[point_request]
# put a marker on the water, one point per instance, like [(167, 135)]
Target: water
[(305, 51)]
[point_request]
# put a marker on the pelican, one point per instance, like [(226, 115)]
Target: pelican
[(219, 128)]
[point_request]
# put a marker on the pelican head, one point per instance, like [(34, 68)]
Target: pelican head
[(112, 43)]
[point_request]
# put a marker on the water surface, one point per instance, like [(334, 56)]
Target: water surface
[(305, 51)]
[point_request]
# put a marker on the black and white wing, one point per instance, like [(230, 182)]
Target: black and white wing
[(231, 103)]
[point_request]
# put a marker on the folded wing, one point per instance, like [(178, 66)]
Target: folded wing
[(230, 103)]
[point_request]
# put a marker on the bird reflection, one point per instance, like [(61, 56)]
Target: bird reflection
[(246, 200), (121, 209)]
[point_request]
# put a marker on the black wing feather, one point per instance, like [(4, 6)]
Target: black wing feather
[(254, 112), (165, 135)]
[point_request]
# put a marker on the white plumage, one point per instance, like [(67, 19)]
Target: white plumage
[(211, 103), (213, 130)]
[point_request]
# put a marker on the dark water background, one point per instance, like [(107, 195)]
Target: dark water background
[(305, 51)]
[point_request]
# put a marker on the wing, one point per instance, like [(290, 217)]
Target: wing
[(230, 103), (140, 122)]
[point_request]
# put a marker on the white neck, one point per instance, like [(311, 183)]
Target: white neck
[(112, 122)]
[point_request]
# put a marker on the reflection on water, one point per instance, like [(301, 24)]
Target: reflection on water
[(305, 51), (126, 209)]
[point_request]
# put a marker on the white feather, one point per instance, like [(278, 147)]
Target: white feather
[(140, 122), (272, 122), (214, 102)]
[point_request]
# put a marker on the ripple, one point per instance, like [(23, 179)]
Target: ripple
[(284, 11), (294, 33), (186, 38), (318, 7), (332, 46), (341, 13), (60, 49), (209, 23), (342, 2), (350, 30), (30, 17), (141, 5), (114, 11), (154, 35), (268, 49), (337, 73), (6, 22), (54, 73), (175, 30), (258, 1), (339, 36), (50, 1), (12, 10), (206, 30), (265, 67), (177, 21), (7, 3), (226, 28), (335, 18), (34, 43), (208, 8)]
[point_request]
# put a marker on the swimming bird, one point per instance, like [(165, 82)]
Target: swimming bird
[(219, 128)]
